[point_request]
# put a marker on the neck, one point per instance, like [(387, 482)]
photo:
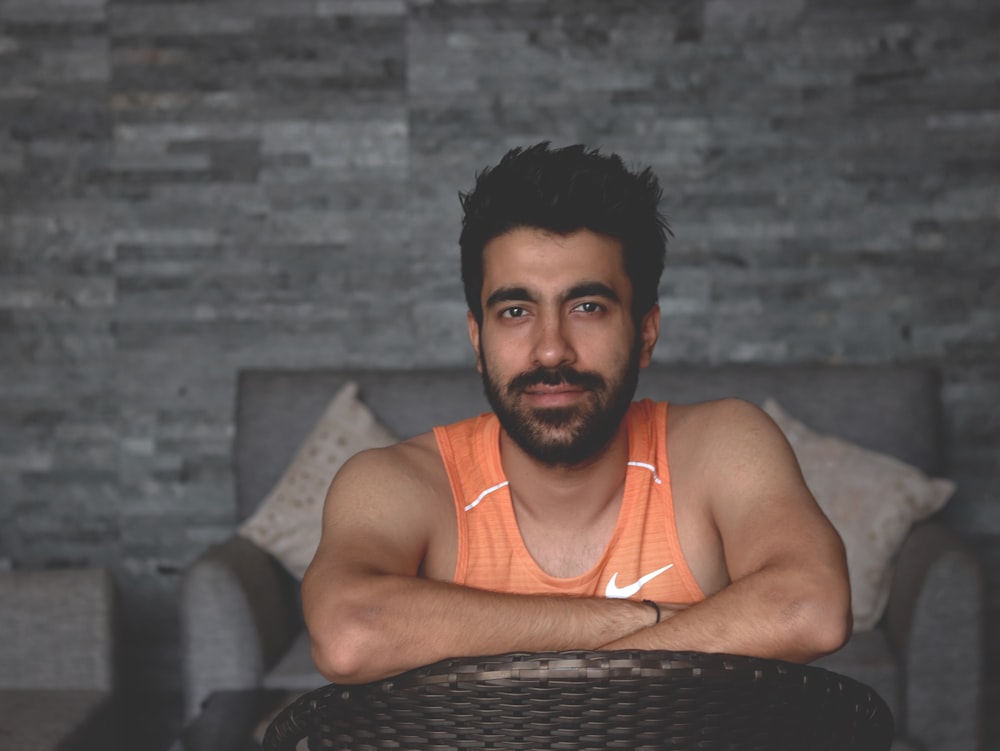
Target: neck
[(572, 496)]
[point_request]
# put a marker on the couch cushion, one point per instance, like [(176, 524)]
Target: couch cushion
[(871, 498), (288, 524)]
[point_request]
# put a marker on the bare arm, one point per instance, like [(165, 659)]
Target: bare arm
[(370, 611), (789, 596)]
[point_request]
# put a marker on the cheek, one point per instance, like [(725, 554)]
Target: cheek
[(497, 346)]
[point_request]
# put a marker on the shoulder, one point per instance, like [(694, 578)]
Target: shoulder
[(728, 440), (389, 510), (390, 505), (722, 421), (412, 464)]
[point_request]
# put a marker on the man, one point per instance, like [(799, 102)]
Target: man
[(557, 522)]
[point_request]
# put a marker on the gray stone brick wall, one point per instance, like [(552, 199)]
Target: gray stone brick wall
[(189, 189)]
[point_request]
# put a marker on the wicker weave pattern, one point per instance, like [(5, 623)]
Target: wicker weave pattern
[(572, 701)]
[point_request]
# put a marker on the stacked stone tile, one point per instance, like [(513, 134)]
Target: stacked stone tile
[(190, 189)]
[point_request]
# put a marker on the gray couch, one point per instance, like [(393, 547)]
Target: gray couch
[(57, 660), (241, 618)]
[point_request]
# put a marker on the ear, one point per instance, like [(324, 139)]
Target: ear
[(649, 332), (474, 338)]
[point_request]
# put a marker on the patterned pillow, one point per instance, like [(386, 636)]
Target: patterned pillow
[(872, 499), (288, 522)]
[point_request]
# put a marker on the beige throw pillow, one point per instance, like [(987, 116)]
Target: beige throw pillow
[(287, 524), (872, 499)]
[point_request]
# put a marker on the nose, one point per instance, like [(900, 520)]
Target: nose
[(552, 346)]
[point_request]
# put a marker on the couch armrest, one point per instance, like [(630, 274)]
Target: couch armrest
[(239, 613), (934, 621)]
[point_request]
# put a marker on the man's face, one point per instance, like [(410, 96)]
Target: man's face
[(557, 347)]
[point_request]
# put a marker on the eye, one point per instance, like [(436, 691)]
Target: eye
[(589, 307), (513, 312)]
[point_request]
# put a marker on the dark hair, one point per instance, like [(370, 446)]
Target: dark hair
[(561, 191)]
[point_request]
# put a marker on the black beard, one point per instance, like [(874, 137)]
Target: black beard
[(588, 428)]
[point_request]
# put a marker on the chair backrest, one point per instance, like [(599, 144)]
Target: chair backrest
[(893, 409), (643, 701)]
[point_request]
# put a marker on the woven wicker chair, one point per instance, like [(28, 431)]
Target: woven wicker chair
[(630, 700)]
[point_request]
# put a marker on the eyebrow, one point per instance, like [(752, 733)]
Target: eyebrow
[(584, 289), (593, 289)]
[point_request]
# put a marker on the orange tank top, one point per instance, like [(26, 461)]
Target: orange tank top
[(643, 558)]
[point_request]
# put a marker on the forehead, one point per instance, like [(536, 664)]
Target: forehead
[(528, 256)]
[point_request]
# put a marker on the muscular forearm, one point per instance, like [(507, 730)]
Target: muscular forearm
[(773, 613), (382, 625)]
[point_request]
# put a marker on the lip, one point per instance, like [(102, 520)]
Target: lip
[(553, 396)]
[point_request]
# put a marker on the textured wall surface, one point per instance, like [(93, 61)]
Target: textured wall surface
[(189, 189)]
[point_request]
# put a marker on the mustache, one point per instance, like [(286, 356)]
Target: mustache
[(559, 376)]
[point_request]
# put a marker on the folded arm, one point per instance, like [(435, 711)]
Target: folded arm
[(390, 624), (371, 609), (788, 596), (778, 612)]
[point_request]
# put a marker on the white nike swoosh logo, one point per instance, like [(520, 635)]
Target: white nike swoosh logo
[(613, 591)]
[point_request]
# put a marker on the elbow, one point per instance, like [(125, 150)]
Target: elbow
[(340, 654), (342, 634), (336, 664), (812, 615), (824, 622), (829, 633)]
